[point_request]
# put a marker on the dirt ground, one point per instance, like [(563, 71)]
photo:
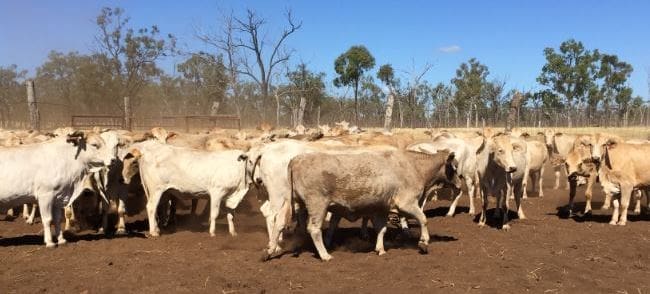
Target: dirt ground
[(542, 254)]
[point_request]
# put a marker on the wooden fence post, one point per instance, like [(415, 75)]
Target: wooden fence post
[(127, 113), (34, 115), (514, 110)]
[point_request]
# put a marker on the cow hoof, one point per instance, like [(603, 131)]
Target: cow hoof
[(50, 245), (233, 234), (424, 247), (101, 230), (613, 223), (381, 252), (621, 223), (326, 258), (505, 228), (481, 225), (604, 207), (30, 222), (472, 213), (62, 242), (212, 234), (153, 234), (637, 212), (266, 256), (522, 216), (449, 215), (120, 232)]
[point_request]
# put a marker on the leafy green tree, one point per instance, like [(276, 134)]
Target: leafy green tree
[(570, 72), (207, 76), (11, 93), (132, 54), (386, 75), (306, 89), (350, 66), (470, 80), (614, 74)]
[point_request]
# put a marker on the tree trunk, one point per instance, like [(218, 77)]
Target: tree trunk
[(277, 111), (127, 113), (388, 116), (515, 103), (356, 103), (34, 115), (301, 111)]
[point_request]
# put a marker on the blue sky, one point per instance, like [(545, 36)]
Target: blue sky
[(507, 36)]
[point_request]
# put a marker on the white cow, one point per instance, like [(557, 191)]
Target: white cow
[(221, 175), (465, 151), (51, 172)]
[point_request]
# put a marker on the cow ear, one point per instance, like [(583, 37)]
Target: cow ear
[(611, 143), (242, 157), (525, 135), (428, 132), (452, 163), (559, 134), (76, 138), (540, 133), (134, 153), (171, 135)]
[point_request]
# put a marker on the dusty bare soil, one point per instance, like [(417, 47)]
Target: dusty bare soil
[(542, 254)]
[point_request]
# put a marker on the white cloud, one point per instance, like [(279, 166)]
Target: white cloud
[(450, 49)]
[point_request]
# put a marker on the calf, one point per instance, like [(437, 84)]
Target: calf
[(220, 175), (501, 165), (558, 143), (367, 184)]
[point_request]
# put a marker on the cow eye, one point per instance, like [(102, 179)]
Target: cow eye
[(95, 145), (500, 150)]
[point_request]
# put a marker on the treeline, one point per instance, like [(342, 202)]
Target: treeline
[(248, 74)]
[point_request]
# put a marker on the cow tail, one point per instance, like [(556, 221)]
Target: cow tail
[(292, 210)]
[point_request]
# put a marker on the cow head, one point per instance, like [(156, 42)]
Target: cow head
[(131, 165), (502, 149), (549, 136), (92, 148), (603, 142), (253, 157)]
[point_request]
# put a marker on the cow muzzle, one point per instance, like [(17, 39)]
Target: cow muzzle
[(511, 169)]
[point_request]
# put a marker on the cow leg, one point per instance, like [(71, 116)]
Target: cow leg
[(524, 184), (540, 180), (152, 207), (557, 178), (171, 218), (379, 223), (57, 216), (364, 230), (637, 197), (414, 210), (484, 196), (470, 193), (573, 184), (25, 211), (607, 202), (195, 203), (45, 208), (316, 216), (104, 209), (121, 211), (518, 196), (215, 204), (231, 223), (626, 195), (452, 208), (502, 203), (334, 223), (32, 214), (69, 218), (615, 212)]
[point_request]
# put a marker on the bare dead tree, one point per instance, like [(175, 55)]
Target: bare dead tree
[(416, 78), (224, 42), (261, 69)]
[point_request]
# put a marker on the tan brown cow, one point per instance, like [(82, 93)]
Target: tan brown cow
[(536, 157), (623, 168), (560, 143), (370, 184)]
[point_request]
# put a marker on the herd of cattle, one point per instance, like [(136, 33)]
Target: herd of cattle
[(305, 175)]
